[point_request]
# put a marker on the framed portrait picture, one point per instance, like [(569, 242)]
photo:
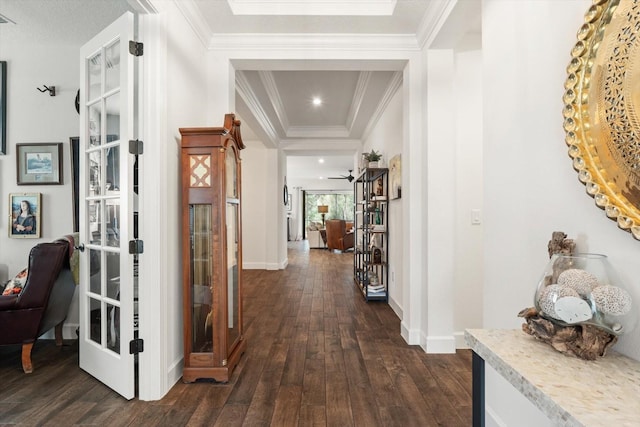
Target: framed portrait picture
[(39, 164), (24, 215), (3, 107)]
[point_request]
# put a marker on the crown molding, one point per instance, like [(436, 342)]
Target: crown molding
[(143, 6), (246, 93), (313, 7), (307, 42), (191, 13), (394, 85), (356, 102), (274, 96), (433, 20)]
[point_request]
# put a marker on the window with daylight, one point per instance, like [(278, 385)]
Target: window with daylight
[(340, 206)]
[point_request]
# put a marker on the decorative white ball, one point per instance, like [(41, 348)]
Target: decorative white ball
[(612, 300), (550, 295), (579, 280)]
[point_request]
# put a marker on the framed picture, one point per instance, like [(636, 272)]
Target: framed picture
[(24, 215), (395, 176), (3, 107), (39, 164), (75, 176)]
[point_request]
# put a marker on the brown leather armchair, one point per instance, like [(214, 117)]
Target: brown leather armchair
[(43, 302), (337, 235)]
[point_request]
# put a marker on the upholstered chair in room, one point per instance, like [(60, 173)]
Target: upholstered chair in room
[(43, 301), (337, 235)]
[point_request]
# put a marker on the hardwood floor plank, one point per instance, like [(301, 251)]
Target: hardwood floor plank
[(313, 388), (287, 407), (312, 416)]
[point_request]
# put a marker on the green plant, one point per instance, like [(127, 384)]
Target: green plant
[(373, 156)]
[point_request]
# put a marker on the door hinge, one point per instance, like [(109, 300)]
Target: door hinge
[(136, 246), (136, 146), (136, 346), (136, 48)]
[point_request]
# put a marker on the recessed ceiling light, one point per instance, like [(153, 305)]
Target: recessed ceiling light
[(320, 160), (320, 177), (317, 101)]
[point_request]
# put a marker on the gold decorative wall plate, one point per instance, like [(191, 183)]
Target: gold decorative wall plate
[(602, 102)]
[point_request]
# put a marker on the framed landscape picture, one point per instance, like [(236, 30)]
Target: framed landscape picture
[(24, 215), (39, 164)]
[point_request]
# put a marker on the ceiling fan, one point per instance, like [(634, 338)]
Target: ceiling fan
[(347, 177)]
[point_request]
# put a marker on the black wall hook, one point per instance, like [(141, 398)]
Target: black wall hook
[(51, 90)]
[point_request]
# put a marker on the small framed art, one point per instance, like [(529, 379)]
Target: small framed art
[(24, 215), (39, 164)]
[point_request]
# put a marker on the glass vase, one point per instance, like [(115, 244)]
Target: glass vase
[(584, 288)]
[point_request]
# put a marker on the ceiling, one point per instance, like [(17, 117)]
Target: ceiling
[(275, 102)]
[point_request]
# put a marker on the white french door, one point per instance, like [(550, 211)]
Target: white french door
[(107, 207)]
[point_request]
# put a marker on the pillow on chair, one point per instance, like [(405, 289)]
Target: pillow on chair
[(15, 285)]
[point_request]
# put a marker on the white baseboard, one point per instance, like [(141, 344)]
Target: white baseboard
[(175, 372), (265, 265), (439, 345), (412, 337), (254, 266)]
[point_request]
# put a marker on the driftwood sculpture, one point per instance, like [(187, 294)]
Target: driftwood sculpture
[(584, 341), (580, 340), (559, 244)]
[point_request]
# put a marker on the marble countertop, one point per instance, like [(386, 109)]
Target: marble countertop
[(570, 391)]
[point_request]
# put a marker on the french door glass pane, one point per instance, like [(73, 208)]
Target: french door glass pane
[(94, 73), (113, 328), (93, 209), (113, 275), (112, 70), (95, 124), (95, 268), (94, 320), (113, 117)]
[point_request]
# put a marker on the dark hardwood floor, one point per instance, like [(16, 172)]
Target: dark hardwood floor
[(317, 355)]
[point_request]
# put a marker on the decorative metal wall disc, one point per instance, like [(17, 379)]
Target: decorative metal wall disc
[(602, 103)]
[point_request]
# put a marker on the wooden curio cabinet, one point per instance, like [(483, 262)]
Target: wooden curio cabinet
[(212, 250)]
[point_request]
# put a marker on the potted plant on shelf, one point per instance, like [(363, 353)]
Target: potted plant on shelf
[(373, 158)]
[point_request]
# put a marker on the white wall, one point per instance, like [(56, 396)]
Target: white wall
[(37, 117), (438, 298), (173, 97), (385, 139), (467, 276), (530, 187), (254, 199)]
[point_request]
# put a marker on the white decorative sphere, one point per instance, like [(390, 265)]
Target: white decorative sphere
[(550, 295), (612, 300), (579, 280)]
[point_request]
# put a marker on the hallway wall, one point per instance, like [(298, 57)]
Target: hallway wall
[(530, 187)]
